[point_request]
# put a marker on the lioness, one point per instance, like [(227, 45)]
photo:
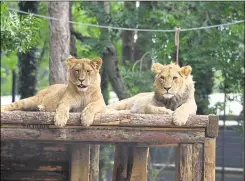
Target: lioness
[(174, 94), (82, 94)]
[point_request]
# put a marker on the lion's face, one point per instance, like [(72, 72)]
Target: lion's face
[(170, 79), (84, 73)]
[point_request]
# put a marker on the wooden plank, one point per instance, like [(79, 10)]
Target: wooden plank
[(140, 162), (209, 159), (94, 162), (213, 126), (184, 163), (33, 156), (80, 162), (104, 135), (33, 166), (197, 161), (122, 118), (120, 169), (34, 146), (33, 175)]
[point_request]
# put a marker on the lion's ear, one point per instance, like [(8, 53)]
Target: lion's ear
[(186, 70), (70, 61), (96, 62), (157, 68)]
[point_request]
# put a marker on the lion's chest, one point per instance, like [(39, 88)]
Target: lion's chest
[(80, 104)]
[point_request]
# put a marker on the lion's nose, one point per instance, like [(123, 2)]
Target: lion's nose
[(167, 88), (81, 80)]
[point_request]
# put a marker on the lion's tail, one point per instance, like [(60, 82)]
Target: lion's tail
[(30, 104)]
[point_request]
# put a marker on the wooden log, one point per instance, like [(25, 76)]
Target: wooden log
[(140, 163), (94, 162), (184, 163), (80, 162), (209, 159), (33, 166), (120, 169), (106, 135), (197, 161), (33, 175), (122, 118), (213, 126)]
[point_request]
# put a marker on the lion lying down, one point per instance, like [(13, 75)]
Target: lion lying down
[(82, 94), (174, 95)]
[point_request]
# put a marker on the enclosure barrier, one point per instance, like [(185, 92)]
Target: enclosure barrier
[(132, 133)]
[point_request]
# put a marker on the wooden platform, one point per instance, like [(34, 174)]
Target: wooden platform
[(34, 149)]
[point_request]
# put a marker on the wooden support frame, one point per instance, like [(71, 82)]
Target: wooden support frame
[(132, 133)]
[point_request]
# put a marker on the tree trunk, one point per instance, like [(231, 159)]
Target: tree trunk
[(128, 39), (28, 62), (144, 41), (59, 41)]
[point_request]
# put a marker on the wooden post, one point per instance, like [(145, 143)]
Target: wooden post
[(209, 159), (80, 162), (94, 162), (120, 168), (140, 162), (197, 161), (184, 163)]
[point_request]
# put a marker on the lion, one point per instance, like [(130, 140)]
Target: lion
[(82, 94), (173, 95)]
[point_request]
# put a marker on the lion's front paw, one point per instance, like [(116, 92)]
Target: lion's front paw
[(180, 118), (87, 117), (61, 118)]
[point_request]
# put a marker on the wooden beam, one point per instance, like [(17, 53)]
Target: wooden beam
[(80, 162), (122, 118), (106, 135), (209, 159), (140, 163)]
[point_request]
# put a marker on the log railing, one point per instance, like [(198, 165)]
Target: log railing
[(133, 133)]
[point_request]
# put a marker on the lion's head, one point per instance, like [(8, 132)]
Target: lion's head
[(171, 80), (84, 73)]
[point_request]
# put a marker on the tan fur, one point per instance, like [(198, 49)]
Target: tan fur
[(61, 98), (178, 101)]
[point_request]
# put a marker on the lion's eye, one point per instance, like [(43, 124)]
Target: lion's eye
[(174, 78), (88, 71), (77, 71), (162, 78)]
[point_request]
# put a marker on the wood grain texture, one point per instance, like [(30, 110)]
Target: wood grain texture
[(105, 135), (140, 163), (213, 126), (120, 118), (197, 161), (80, 162), (184, 167), (209, 159)]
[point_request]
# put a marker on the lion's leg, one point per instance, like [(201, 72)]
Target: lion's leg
[(150, 109), (87, 116), (181, 114), (28, 104)]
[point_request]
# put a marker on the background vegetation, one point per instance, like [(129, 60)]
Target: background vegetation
[(216, 55)]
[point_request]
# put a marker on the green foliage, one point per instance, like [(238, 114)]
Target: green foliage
[(18, 34)]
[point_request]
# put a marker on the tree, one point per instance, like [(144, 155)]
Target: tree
[(59, 41), (28, 61)]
